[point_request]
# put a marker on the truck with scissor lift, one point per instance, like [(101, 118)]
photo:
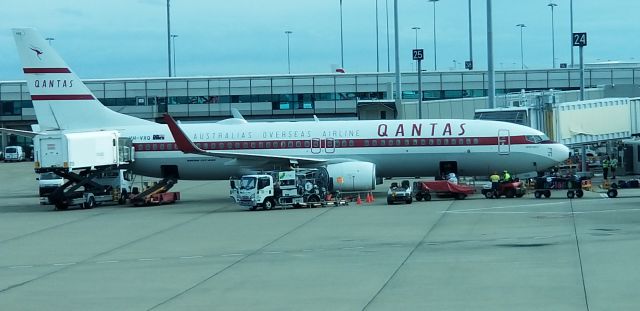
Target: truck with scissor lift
[(93, 166)]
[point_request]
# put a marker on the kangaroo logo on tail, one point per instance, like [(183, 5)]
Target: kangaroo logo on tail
[(60, 99), (38, 52)]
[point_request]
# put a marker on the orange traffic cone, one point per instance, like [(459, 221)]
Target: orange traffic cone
[(359, 200), (368, 200), (372, 198)]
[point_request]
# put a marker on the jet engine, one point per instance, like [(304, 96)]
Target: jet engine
[(352, 176)]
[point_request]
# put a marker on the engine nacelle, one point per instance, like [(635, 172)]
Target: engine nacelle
[(354, 176)]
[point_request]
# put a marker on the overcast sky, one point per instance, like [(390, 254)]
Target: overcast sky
[(127, 38)]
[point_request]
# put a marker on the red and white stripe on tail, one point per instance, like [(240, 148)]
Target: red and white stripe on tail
[(60, 99)]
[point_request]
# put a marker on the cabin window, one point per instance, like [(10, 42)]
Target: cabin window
[(307, 144), (351, 143), (245, 145), (253, 145), (162, 147), (383, 142), (298, 144), (423, 142), (260, 145), (476, 141), (366, 143), (268, 145), (374, 143)]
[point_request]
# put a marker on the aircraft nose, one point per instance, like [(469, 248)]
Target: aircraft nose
[(560, 153)]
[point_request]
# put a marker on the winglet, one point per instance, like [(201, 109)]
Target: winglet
[(182, 141), (236, 114)]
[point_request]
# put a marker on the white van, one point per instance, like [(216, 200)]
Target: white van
[(14, 153)]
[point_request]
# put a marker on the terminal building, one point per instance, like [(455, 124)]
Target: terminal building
[(452, 94)]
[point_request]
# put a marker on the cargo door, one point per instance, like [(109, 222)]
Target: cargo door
[(504, 142), (51, 153)]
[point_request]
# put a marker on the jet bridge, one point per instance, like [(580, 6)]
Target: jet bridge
[(591, 121)]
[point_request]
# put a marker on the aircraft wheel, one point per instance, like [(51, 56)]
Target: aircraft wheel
[(571, 194)]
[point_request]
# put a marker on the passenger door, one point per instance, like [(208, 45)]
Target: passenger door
[(504, 142)]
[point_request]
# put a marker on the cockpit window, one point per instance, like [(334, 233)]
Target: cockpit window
[(536, 139)]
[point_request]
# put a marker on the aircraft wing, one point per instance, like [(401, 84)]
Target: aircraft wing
[(18, 132), (187, 146)]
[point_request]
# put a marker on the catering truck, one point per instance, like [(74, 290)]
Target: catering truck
[(93, 165), (70, 151)]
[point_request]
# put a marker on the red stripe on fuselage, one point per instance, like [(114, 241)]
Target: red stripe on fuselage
[(338, 143), (46, 70), (62, 97)]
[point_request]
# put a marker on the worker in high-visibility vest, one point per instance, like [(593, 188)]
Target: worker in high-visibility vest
[(506, 177), (495, 180), (605, 168)]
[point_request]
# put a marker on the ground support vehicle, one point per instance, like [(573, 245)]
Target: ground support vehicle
[(425, 190), (571, 184), (298, 187), (508, 189), (14, 154), (88, 188), (400, 193), (156, 194)]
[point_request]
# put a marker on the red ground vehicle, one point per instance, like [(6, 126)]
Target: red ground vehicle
[(507, 189), (425, 189)]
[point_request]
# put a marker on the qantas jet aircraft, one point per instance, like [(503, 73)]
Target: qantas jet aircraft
[(356, 150)]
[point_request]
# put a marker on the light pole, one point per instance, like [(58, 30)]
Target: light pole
[(571, 29), (341, 39), (288, 33), (173, 43), (521, 46), (168, 38), (470, 40), (435, 53), (416, 28), (49, 39), (377, 41), (388, 44), (553, 34)]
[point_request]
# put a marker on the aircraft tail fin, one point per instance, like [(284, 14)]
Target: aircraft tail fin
[(60, 99)]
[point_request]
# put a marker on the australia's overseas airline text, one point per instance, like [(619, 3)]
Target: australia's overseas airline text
[(431, 129)]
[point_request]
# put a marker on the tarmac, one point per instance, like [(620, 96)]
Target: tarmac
[(206, 253)]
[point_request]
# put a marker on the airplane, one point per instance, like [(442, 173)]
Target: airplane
[(361, 152)]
